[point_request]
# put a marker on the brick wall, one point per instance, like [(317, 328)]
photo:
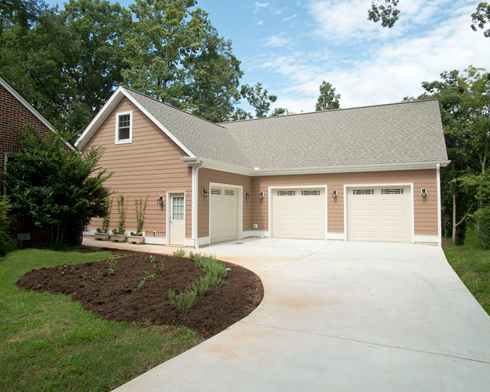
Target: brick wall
[(13, 118)]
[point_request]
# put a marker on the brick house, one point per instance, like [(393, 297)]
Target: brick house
[(15, 115)]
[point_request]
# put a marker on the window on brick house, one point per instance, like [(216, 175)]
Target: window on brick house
[(124, 127)]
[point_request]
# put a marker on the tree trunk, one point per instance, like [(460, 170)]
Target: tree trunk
[(454, 215)]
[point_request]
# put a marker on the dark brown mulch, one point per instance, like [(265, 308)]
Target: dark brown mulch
[(116, 297)]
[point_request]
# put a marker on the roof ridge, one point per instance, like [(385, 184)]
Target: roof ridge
[(173, 107), (331, 110)]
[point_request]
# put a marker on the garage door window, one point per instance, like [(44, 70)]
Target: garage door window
[(363, 192), (394, 191)]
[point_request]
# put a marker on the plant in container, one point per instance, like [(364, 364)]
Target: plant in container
[(118, 234), (102, 233), (137, 236)]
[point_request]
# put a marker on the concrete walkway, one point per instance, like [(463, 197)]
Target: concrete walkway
[(339, 316)]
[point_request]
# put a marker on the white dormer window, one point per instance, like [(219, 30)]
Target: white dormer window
[(124, 127)]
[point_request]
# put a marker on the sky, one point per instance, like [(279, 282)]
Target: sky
[(291, 46)]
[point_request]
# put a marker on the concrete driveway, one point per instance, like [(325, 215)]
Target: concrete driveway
[(340, 316)]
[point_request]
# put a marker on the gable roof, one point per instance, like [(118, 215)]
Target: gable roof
[(381, 137), (398, 133), (26, 104)]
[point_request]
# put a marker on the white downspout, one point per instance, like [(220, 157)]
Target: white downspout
[(439, 204)]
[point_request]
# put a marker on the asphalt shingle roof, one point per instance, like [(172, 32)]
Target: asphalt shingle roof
[(201, 137), (396, 133), (385, 134)]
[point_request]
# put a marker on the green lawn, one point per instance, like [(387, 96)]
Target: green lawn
[(473, 267), (49, 342)]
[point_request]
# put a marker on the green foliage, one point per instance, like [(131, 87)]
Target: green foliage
[(481, 17), (281, 112), (7, 241), (327, 99), (66, 270), (140, 207), (214, 269), (111, 266), (59, 189), (66, 62), (473, 267), (105, 219), (259, 98), (384, 10), (179, 253), (146, 277), (122, 214), (201, 286), (159, 266), (183, 300), (51, 343)]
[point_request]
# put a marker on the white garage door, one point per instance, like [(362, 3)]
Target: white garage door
[(379, 214), (298, 213), (224, 214)]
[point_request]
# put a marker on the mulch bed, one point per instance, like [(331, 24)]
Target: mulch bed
[(116, 297)]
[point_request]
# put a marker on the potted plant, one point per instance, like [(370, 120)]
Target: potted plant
[(102, 233), (118, 233), (140, 207)]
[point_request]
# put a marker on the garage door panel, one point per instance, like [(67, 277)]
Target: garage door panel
[(386, 211), (224, 214), (298, 213)]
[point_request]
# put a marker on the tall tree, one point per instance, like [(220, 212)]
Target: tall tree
[(259, 98), (67, 63), (328, 99), (385, 11)]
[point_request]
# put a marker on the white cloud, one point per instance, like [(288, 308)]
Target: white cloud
[(386, 71), (259, 23), (289, 17), (275, 41), (258, 6)]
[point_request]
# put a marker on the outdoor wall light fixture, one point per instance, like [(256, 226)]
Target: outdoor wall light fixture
[(205, 193), (424, 192), (160, 200), (334, 194), (261, 195), (247, 196)]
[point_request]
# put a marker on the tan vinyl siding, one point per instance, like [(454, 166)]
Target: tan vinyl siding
[(207, 176), (150, 165), (425, 215)]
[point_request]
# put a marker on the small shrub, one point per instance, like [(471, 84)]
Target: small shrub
[(201, 286), (66, 269), (122, 214), (93, 278), (111, 266), (146, 277), (140, 207), (215, 270), (184, 300), (179, 253), (7, 242)]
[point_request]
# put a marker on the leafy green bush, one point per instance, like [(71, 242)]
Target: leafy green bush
[(478, 230), (7, 242), (184, 300)]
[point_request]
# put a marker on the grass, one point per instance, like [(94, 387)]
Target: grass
[(48, 342), (473, 267)]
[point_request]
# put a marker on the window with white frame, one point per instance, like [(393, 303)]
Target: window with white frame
[(177, 208), (124, 127)]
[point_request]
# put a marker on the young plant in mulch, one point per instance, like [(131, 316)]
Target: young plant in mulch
[(158, 266), (146, 277), (140, 207), (66, 270), (215, 272), (111, 266), (179, 253), (105, 219)]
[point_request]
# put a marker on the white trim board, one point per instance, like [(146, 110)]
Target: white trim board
[(431, 239), (269, 207), (256, 233), (410, 184)]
